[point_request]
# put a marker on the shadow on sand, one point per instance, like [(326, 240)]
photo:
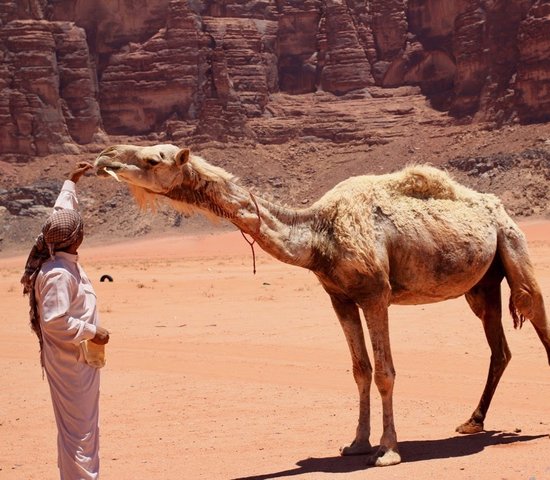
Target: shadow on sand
[(411, 451)]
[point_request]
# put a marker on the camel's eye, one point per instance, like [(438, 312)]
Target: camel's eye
[(152, 162)]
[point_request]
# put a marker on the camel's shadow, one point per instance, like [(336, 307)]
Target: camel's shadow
[(411, 451)]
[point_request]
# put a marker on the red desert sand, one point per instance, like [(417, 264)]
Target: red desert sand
[(215, 373)]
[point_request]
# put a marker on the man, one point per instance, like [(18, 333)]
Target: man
[(64, 314)]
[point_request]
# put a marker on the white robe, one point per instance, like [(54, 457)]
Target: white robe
[(67, 307)]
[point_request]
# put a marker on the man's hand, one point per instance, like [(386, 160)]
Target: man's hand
[(101, 336), (79, 170)]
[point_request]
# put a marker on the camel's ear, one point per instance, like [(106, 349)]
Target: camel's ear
[(182, 156)]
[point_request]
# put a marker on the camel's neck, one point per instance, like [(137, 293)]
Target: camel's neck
[(284, 233)]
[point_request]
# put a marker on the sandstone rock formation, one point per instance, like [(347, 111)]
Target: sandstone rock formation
[(533, 72), (48, 100), (72, 71)]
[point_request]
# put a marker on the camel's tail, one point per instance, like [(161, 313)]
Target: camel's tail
[(526, 301), (517, 316)]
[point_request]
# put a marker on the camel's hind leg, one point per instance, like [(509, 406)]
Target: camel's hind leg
[(526, 301), (485, 301)]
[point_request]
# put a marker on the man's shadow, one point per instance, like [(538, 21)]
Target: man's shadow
[(411, 451)]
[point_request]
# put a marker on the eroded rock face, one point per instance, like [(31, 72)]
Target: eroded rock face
[(71, 71), (144, 84), (344, 65), (49, 101), (532, 86), (298, 48)]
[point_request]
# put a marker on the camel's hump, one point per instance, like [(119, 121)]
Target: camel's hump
[(423, 182), (419, 182)]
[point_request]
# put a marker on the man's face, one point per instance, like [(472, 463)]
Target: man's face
[(79, 239), (74, 246)]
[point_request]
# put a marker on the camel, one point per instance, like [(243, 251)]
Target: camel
[(411, 237)]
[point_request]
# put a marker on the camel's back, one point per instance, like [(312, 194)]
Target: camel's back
[(417, 185), (418, 201), (424, 182)]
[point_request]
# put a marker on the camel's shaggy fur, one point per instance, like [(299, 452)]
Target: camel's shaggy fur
[(410, 237)]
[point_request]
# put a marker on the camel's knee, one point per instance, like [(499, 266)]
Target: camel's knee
[(384, 380), (362, 372), (500, 359)]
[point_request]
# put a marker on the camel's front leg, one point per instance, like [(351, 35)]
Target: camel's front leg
[(376, 314), (348, 314)]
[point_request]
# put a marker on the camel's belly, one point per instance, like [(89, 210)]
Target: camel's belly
[(449, 270), (422, 298)]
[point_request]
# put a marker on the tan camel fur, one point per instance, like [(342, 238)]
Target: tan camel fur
[(410, 237)]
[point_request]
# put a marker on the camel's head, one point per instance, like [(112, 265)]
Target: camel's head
[(156, 168), (162, 170)]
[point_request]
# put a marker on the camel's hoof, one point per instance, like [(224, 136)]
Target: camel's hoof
[(471, 426), (356, 448), (384, 458)]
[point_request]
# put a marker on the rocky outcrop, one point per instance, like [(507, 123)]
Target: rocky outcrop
[(498, 172), (143, 85), (71, 71), (48, 102), (487, 58), (343, 62), (32, 200), (532, 82), (297, 47)]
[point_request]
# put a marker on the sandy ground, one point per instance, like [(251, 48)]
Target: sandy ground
[(216, 373)]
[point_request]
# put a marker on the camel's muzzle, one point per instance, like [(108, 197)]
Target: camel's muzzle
[(105, 166)]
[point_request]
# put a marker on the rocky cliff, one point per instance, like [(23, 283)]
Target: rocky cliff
[(72, 72)]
